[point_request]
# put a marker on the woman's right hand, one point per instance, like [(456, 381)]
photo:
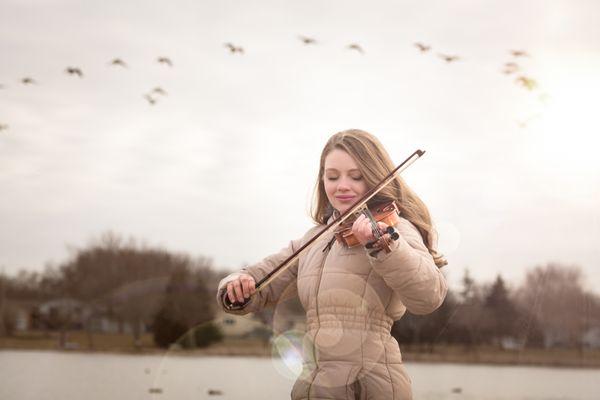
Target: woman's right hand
[(241, 288)]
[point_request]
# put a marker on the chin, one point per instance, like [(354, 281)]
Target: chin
[(342, 209)]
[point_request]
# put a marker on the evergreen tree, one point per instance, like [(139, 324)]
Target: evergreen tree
[(187, 304), (500, 312)]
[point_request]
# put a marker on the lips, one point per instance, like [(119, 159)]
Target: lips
[(344, 198)]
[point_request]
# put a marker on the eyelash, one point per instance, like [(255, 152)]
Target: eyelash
[(356, 179)]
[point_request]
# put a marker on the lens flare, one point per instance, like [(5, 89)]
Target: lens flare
[(287, 353)]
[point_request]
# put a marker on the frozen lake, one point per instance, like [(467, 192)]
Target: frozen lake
[(36, 375)]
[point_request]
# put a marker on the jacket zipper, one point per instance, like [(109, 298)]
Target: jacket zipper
[(326, 251)]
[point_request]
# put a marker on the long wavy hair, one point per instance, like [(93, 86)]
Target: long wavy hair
[(374, 164)]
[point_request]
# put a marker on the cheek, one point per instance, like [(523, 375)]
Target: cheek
[(329, 189), (360, 187)]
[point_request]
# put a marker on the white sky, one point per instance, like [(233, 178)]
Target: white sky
[(224, 166)]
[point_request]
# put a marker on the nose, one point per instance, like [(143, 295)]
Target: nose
[(343, 185)]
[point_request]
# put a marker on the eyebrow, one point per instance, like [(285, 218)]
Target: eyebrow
[(335, 170)]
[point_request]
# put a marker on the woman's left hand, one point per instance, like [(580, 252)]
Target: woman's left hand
[(362, 230)]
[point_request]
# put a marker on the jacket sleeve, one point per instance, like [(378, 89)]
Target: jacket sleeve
[(409, 270), (281, 288)]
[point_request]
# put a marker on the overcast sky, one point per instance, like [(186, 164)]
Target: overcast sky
[(225, 164)]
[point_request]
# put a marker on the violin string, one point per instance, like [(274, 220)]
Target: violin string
[(374, 226)]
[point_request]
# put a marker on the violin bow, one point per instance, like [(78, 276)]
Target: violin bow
[(267, 279)]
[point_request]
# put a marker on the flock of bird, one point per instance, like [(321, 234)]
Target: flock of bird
[(509, 68)]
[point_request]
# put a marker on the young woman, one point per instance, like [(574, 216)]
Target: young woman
[(352, 295)]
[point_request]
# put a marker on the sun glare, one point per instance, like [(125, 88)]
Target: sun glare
[(565, 132)]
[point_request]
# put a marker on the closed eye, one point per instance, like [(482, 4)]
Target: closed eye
[(334, 178)]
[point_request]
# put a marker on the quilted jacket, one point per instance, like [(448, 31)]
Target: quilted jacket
[(351, 301)]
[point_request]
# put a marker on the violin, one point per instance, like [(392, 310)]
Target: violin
[(388, 213)]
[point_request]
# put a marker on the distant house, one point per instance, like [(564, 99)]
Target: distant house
[(249, 325), (290, 322), (511, 343), (591, 338), (22, 319), (237, 325), (556, 338), (64, 311), (76, 315), (21, 314), (106, 324)]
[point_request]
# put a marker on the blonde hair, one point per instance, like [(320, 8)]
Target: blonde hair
[(374, 164)]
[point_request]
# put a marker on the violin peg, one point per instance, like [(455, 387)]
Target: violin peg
[(392, 232)]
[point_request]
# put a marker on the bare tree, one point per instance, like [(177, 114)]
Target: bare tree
[(554, 295), (120, 278)]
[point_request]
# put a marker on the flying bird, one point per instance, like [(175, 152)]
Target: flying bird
[(422, 47), (526, 82), (159, 90), (151, 100), (74, 71), (215, 392), (28, 81), (354, 46), (448, 58), (3, 127), (234, 49), (510, 67), (118, 62), (307, 40), (523, 123), (165, 60), (519, 53)]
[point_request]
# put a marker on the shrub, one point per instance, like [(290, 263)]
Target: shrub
[(207, 334), (166, 330)]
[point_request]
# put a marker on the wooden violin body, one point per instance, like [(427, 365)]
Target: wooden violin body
[(387, 213)]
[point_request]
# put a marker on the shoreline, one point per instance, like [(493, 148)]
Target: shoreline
[(79, 342), (552, 358), (409, 358)]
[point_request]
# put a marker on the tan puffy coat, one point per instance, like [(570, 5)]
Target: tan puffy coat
[(351, 301)]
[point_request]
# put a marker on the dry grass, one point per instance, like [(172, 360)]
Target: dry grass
[(78, 341), (234, 347), (494, 355)]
